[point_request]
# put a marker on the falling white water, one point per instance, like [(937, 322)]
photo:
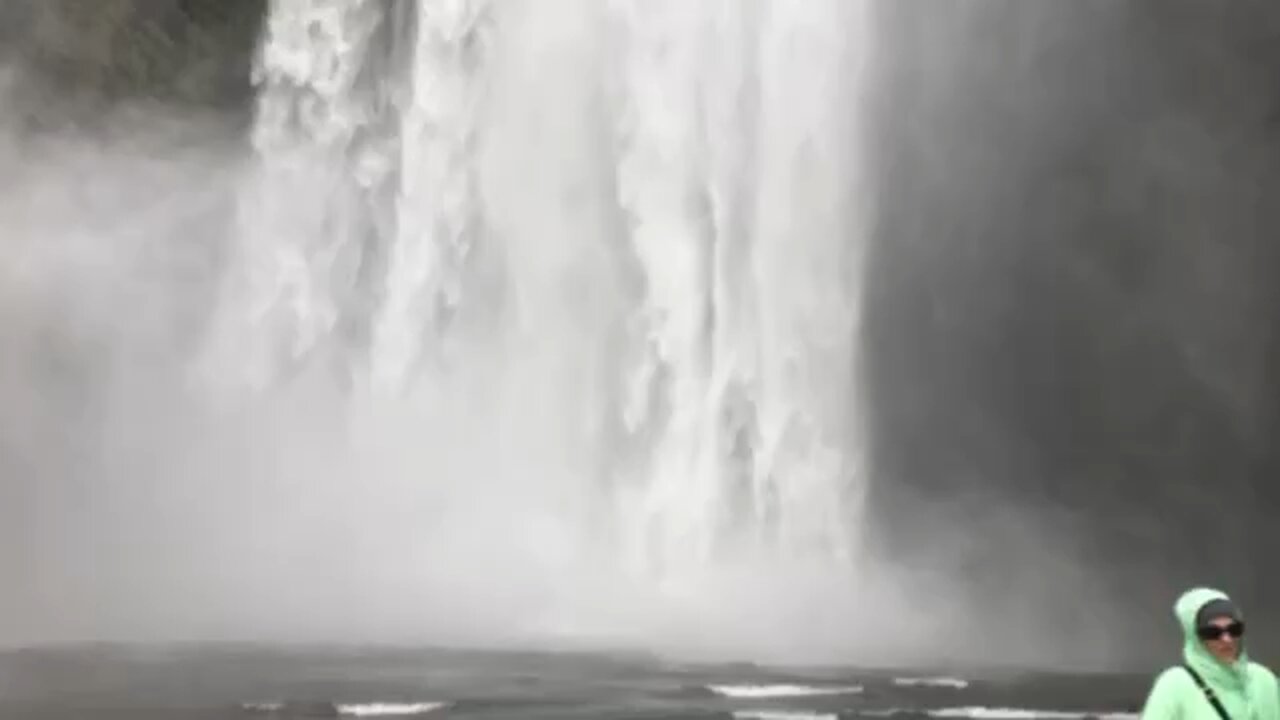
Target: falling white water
[(303, 214), (436, 209), (736, 139), (620, 242)]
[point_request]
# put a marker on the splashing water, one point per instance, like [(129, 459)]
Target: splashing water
[(580, 279)]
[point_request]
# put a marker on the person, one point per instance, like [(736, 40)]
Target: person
[(1216, 680)]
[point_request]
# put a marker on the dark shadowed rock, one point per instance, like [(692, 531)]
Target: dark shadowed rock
[(83, 55)]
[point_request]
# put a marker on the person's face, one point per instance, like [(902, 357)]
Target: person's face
[(1221, 637)]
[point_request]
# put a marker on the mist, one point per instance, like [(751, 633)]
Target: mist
[(1056, 291), (1071, 326)]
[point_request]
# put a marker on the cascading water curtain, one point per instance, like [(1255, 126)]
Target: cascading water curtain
[(732, 148)]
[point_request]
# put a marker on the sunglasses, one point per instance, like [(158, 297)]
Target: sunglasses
[(1215, 632)]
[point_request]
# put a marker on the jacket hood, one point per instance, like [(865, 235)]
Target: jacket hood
[(1194, 653)]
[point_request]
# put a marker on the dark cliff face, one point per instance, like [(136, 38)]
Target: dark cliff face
[(82, 55), (1074, 302)]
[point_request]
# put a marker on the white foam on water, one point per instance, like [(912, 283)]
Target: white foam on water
[(978, 712), (369, 709), (389, 709), (941, 682), (782, 691), (782, 715)]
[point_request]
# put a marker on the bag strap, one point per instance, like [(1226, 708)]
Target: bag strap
[(1208, 693)]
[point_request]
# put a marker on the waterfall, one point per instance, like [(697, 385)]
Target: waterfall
[(437, 214), (592, 265), (307, 210), (733, 146)]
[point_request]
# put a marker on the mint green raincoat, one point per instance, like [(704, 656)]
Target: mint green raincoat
[(1247, 690)]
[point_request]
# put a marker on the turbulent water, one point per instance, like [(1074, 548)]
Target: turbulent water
[(245, 683)]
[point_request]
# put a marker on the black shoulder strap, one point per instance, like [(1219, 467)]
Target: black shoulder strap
[(1208, 693)]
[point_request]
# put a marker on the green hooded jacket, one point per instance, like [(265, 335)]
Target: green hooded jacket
[(1247, 690)]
